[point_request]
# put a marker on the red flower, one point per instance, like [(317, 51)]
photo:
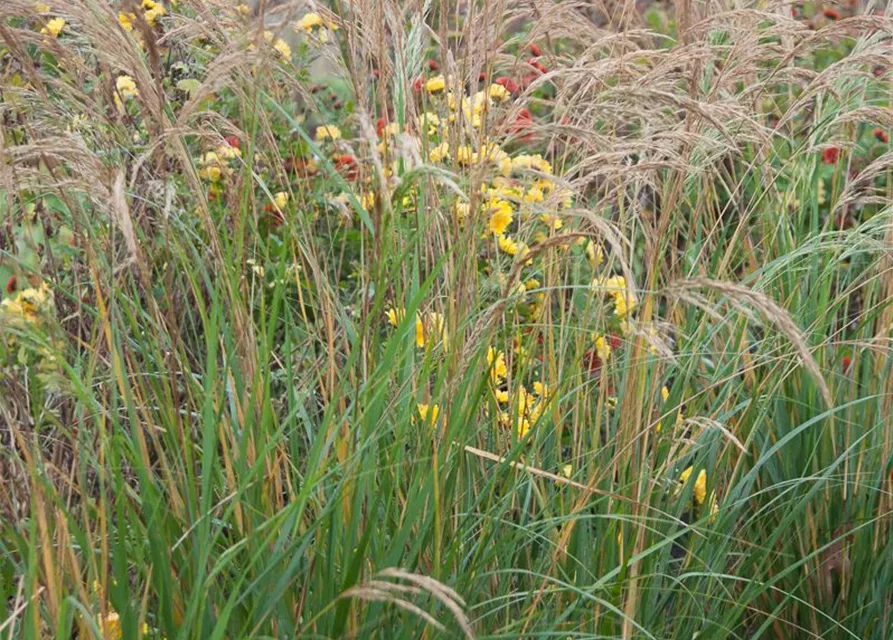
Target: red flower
[(376, 73), (831, 14), (433, 65), (380, 124), (539, 66), (12, 284), (846, 363), (417, 85), (522, 121), (233, 141), (482, 76), (881, 135), (535, 49), (348, 164), (510, 85), (831, 155), (615, 341)]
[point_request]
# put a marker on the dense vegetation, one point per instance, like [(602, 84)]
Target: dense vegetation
[(476, 319)]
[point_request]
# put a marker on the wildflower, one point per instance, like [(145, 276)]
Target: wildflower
[(700, 488), (126, 87), (510, 85), (279, 45), (328, 132), (436, 84), (40, 7), (12, 284), (313, 24), (464, 155), (498, 92), (126, 20), (830, 155), (243, 9), (567, 470), (534, 162), (347, 164), (461, 210), (602, 348), (433, 65), (368, 201), (821, 193), (507, 245), (395, 316), (54, 27), (553, 222), (831, 14), (425, 410), (500, 215), (881, 135), (498, 369), (281, 199), (153, 11), (419, 333), (534, 195), (535, 49), (438, 153), (26, 305), (429, 122), (502, 396), (111, 626), (624, 301), (594, 254), (522, 121)]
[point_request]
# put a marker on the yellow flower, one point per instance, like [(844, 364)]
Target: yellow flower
[(498, 369), (280, 200), (567, 470), (429, 122), (594, 254), (664, 393), (624, 301), (27, 304), (700, 489), (425, 410), (309, 22), (438, 153), (553, 222), (436, 84), (328, 132), (126, 20), (419, 333), (54, 27), (602, 348), (500, 215), (507, 245), (395, 316), (501, 396), (534, 162), (540, 389), (41, 8), (462, 210), (154, 10), (464, 154), (533, 195), (279, 45), (368, 200), (243, 9), (498, 92), (126, 87), (111, 626), (313, 21)]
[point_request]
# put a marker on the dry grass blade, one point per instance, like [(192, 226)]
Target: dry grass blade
[(740, 295), (382, 591)]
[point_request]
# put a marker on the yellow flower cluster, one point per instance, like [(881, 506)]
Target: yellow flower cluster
[(624, 300), (216, 164), (54, 27), (316, 26), (428, 326), (27, 306), (700, 489)]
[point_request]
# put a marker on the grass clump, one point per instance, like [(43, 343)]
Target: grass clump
[(429, 320)]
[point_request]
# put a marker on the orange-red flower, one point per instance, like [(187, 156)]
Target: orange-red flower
[(12, 284), (831, 155), (347, 164), (881, 135), (831, 14), (433, 65), (509, 84), (535, 49)]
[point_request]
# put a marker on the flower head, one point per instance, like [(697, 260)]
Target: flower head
[(436, 84), (328, 132), (500, 215), (54, 27)]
